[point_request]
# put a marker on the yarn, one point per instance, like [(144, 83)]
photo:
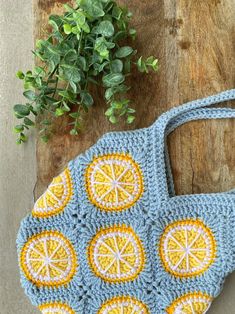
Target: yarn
[(123, 305), (187, 248), (48, 259), (55, 308), (109, 236), (191, 303), (116, 254), (114, 182), (56, 197)]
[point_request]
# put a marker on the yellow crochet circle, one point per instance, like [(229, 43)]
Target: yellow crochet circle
[(56, 197), (192, 303), (187, 248), (116, 254), (55, 308), (114, 182), (123, 305), (48, 259)]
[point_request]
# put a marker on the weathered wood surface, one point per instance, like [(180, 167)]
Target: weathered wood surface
[(194, 43)]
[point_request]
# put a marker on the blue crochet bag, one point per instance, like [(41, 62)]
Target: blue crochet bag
[(109, 236)]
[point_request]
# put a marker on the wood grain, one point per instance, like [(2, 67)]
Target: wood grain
[(194, 41)]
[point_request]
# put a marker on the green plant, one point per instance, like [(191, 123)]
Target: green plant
[(83, 48)]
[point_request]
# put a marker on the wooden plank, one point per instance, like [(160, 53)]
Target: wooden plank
[(202, 152), (193, 41)]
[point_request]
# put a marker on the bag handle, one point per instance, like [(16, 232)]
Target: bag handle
[(172, 119), (198, 114)]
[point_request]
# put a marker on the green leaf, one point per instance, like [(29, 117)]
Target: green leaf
[(29, 85), (28, 122), (102, 46), (152, 63), (67, 29), (116, 66), (29, 73), (108, 6), (110, 45), (23, 138), (74, 86), (21, 111), (130, 119), (18, 141), (73, 132), (117, 105), (57, 35), (93, 8), (29, 94), (39, 55), (74, 115), (55, 21), (109, 112), (104, 54), (113, 119), (117, 12), (39, 43), (109, 93), (113, 79), (39, 71), (119, 36), (18, 128), (82, 63), (100, 67), (53, 24), (129, 14), (86, 98), (54, 50), (150, 60), (124, 52), (86, 28), (59, 112), (38, 82), (70, 56), (106, 29), (141, 65), (71, 73), (66, 107), (67, 95), (20, 75), (132, 33), (131, 110), (79, 17), (76, 30)]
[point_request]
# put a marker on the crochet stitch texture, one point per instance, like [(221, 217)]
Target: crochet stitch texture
[(109, 236)]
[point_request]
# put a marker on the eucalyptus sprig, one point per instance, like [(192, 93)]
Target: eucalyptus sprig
[(83, 48)]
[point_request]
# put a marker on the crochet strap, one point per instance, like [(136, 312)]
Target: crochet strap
[(175, 117)]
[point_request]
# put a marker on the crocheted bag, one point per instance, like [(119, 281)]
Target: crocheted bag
[(109, 236)]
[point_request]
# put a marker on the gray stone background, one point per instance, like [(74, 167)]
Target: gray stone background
[(18, 166)]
